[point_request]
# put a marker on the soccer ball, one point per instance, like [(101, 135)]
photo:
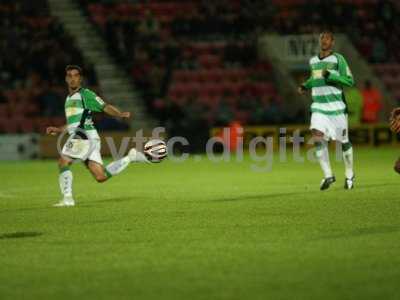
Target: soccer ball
[(155, 150)]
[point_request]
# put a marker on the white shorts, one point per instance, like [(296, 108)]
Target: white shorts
[(334, 127), (83, 150)]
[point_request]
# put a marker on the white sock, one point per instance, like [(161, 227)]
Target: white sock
[(117, 166), (348, 162), (65, 179), (322, 154), (136, 156)]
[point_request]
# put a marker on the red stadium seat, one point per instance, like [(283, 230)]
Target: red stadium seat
[(215, 89), (9, 126), (181, 76), (237, 74), (3, 111), (215, 75), (232, 87), (41, 123), (99, 20), (242, 116), (11, 96), (125, 9), (26, 126), (96, 9), (210, 61)]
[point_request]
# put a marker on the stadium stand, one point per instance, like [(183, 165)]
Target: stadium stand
[(34, 50), (184, 56), (188, 61)]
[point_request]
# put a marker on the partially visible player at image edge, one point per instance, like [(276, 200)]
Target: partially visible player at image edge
[(85, 143), (329, 74), (395, 127)]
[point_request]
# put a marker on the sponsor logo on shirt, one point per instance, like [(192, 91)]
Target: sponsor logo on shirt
[(99, 100), (317, 74)]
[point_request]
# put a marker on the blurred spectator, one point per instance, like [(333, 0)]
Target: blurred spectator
[(272, 113), (149, 27), (50, 103), (188, 61), (194, 123), (378, 50), (111, 26), (160, 110), (354, 100), (372, 103), (157, 75), (235, 133), (246, 101), (90, 75), (3, 99), (224, 113), (174, 119), (257, 112)]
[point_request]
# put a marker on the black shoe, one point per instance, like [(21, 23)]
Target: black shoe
[(326, 183), (349, 183)]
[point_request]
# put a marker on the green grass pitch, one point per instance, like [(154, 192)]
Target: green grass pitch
[(202, 230)]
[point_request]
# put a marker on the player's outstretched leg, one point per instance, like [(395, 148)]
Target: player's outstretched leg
[(102, 174), (322, 154), (347, 151), (65, 181), (136, 156), (98, 171), (118, 166)]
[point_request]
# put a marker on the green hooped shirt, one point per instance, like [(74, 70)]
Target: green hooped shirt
[(327, 92), (78, 111)]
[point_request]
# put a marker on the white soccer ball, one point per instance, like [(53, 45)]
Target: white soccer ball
[(155, 150)]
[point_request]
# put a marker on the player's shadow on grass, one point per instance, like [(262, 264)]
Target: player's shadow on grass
[(277, 195), (374, 185), (360, 232), (25, 209), (107, 200), (20, 235), (257, 197)]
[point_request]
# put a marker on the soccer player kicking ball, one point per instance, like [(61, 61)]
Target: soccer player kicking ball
[(329, 73), (84, 142)]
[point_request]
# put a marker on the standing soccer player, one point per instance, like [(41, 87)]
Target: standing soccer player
[(329, 74), (84, 142)]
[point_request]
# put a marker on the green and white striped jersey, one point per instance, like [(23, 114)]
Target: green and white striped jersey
[(78, 112), (327, 91)]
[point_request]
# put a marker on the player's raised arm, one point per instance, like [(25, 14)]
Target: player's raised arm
[(343, 76), (115, 112), (96, 104)]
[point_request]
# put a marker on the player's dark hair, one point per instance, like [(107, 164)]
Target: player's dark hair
[(74, 67), (328, 32)]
